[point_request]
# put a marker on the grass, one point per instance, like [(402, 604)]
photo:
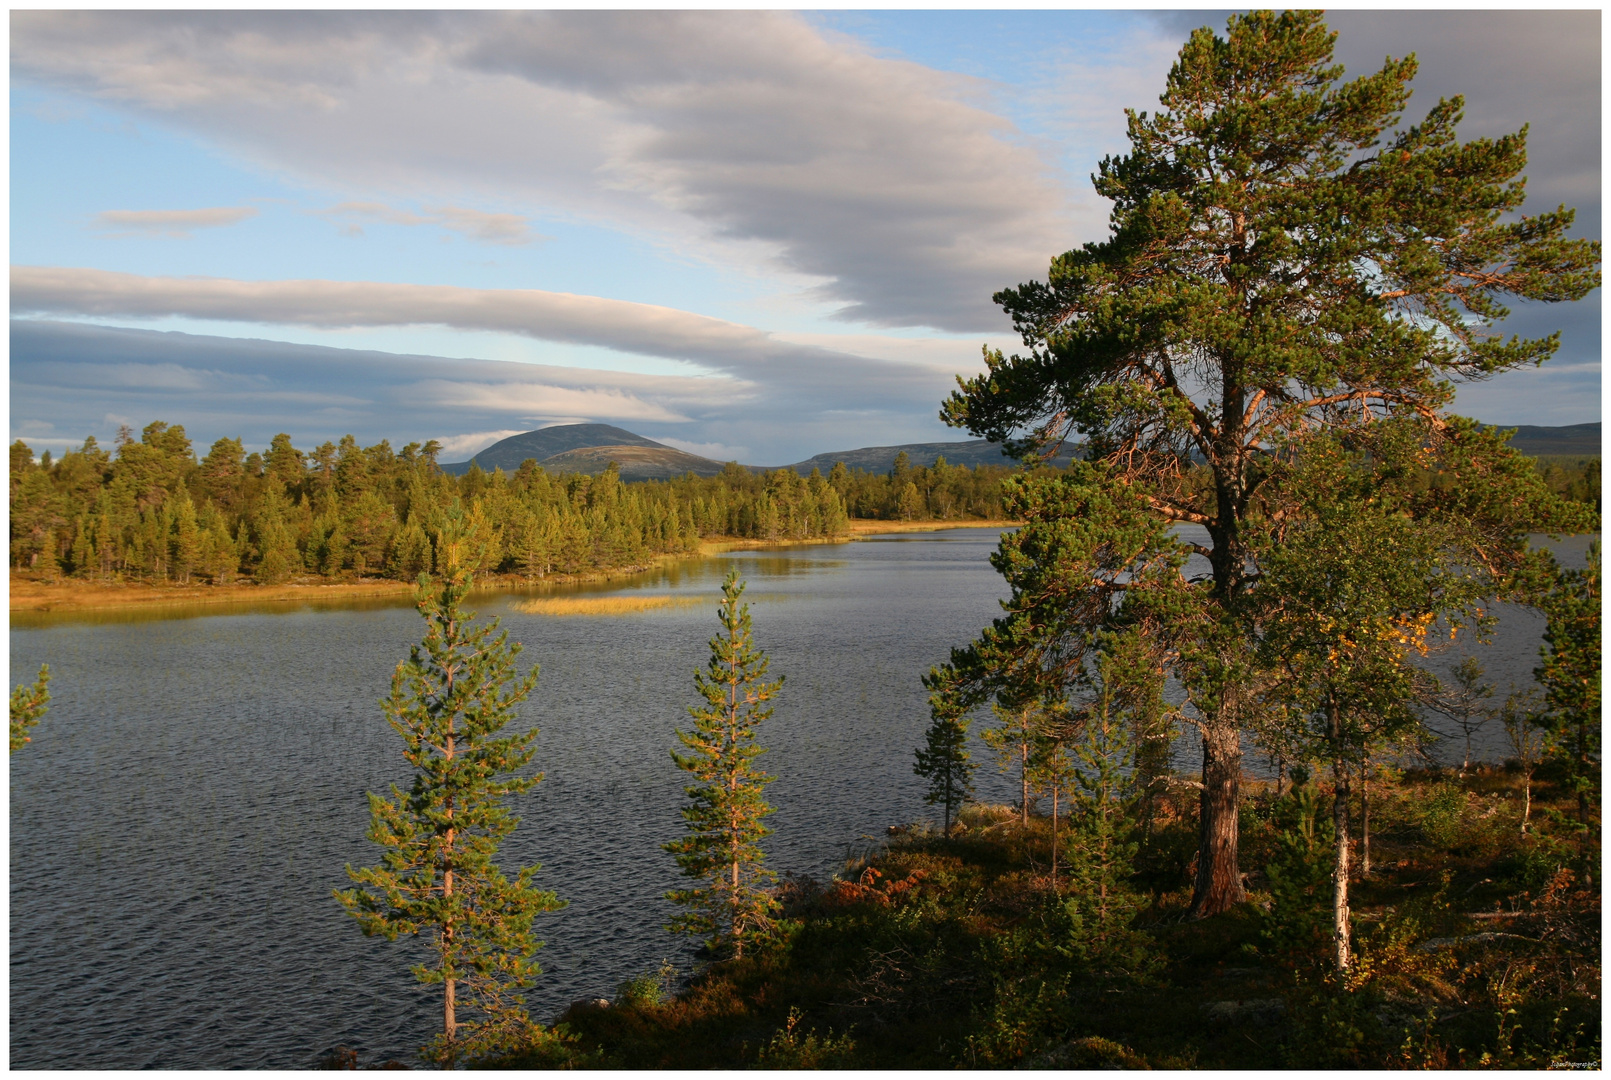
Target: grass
[(604, 605)]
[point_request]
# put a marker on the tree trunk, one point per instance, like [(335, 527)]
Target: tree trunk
[(1527, 796), (1219, 879), (450, 1023), (1024, 775), (1054, 835), (1364, 816), (1339, 900)]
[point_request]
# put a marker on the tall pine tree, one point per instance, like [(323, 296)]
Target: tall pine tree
[(722, 851), (449, 700), (1285, 257)]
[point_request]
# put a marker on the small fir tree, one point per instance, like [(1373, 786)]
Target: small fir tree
[(722, 849), (1101, 848), (28, 704), (944, 759), (449, 700)]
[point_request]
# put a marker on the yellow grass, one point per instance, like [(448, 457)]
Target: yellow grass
[(602, 605)]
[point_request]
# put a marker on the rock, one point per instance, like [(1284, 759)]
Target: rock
[(1259, 1011), (1086, 1054), (1433, 944), (337, 1057)]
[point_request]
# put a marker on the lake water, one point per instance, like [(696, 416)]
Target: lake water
[(193, 794)]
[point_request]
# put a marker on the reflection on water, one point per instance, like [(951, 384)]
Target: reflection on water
[(164, 612), (191, 798)]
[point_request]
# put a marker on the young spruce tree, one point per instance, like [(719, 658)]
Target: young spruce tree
[(944, 759), (449, 700), (722, 849), (28, 704)]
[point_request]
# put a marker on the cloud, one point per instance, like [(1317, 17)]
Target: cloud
[(880, 184), (464, 447), (1514, 68), (714, 450), (172, 223), (813, 375), (253, 389), (488, 228), (538, 402)]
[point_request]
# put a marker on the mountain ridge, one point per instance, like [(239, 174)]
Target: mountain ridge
[(585, 448)]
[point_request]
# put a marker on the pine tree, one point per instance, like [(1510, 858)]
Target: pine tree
[(186, 538), (1285, 257), (1570, 676), (1019, 724), (28, 705), (722, 851), (1464, 703), (449, 700), (944, 759), (1100, 845)]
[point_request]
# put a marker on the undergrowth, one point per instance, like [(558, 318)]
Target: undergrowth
[(1477, 947)]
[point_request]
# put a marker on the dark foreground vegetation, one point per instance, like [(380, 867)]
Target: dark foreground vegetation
[(1476, 946)]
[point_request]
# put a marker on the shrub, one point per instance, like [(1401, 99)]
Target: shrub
[(788, 1050), (1440, 814)]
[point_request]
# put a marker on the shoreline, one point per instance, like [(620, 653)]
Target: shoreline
[(66, 595)]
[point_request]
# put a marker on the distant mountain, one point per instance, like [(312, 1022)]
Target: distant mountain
[(544, 443), (1576, 439), (879, 459), (589, 448), (635, 462)]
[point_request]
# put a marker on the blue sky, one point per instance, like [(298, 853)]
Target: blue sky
[(753, 235)]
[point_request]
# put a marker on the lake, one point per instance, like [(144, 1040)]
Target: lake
[(196, 789)]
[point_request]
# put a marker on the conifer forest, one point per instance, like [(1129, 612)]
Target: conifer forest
[(1273, 524)]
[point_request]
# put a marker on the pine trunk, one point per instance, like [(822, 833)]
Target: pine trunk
[(1054, 835), (1024, 776), (1219, 879)]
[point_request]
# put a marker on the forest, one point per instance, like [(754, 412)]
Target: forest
[(149, 511)]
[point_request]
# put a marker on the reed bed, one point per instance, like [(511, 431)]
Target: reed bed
[(603, 605)]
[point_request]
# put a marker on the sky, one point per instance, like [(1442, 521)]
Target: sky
[(751, 235)]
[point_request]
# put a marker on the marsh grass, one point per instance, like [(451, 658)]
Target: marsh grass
[(604, 605)]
